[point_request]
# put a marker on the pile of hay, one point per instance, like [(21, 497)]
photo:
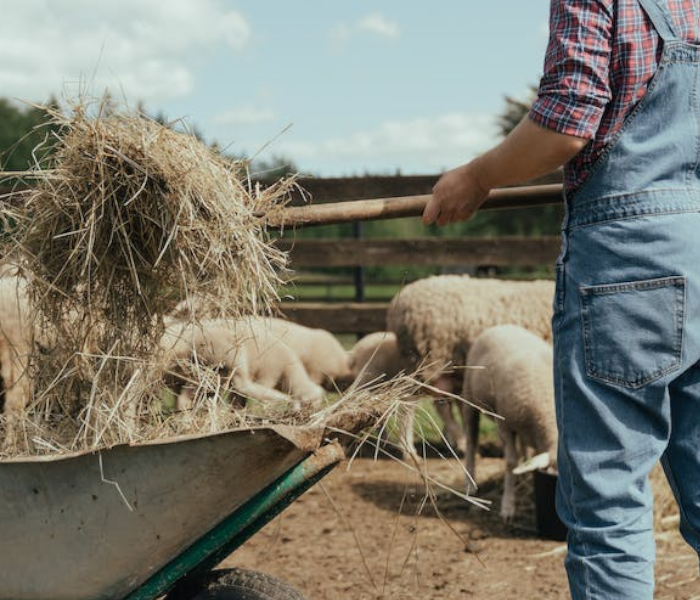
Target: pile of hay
[(132, 215), (126, 218)]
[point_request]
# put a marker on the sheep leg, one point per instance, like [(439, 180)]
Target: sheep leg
[(524, 453), (453, 432), (471, 418), (511, 456), (405, 424), (301, 387), (17, 396), (16, 382), (250, 389)]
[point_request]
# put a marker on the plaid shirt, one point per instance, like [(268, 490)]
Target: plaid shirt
[(600, 58)]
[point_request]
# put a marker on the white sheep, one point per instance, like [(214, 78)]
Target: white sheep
[(323, 356), (437, 319), (17, 337), (258, 364), (512, 377), (375, 357)]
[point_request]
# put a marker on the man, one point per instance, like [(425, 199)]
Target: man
[(619, 105)]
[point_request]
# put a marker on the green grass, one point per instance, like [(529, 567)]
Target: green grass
[(427, 423), (427, 418), (339, 292)]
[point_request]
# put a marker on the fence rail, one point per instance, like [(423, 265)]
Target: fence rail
[(338, 317), (448, 252)]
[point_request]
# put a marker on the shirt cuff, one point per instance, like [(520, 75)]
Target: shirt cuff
[(566, 115)]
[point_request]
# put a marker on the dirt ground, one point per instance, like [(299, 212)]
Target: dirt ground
[(368, 533)]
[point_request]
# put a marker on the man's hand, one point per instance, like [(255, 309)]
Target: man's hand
[(457, 195)]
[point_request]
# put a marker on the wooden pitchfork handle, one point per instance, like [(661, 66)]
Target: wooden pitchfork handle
[(406, 206)]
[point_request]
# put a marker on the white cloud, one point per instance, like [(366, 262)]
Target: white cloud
[(374, 24), (244, 115), (421, 145), (146, 48), (379, 24)]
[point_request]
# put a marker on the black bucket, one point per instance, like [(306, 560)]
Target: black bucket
[(549, 524)]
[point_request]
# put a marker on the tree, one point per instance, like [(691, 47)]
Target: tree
[(544, 220), (514, 111), (22, 130)]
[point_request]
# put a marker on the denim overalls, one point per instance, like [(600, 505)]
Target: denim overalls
[(627, 334)]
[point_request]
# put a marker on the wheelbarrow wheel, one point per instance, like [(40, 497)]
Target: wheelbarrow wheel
[(242, 584)]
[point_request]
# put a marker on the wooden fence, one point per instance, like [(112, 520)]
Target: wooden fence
[(360, 316)]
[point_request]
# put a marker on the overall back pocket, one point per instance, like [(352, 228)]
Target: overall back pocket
[(633, 331)]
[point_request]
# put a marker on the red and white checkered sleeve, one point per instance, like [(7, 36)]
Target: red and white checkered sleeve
[(575, 87)]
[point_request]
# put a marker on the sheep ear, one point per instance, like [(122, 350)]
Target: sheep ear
[(541, 461)]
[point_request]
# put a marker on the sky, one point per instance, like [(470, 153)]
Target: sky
[(339, 87)]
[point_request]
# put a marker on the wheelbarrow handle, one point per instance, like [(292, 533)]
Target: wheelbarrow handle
[(406, 206)]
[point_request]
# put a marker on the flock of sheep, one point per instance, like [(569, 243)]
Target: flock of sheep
[(486, 341)]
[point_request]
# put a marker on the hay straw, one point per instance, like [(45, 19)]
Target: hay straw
[(140, 414), (132, 216), (126, 218)]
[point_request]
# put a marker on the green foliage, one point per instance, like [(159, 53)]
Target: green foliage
[(514, 111), (22, 129), (334, 292), (428, 425)]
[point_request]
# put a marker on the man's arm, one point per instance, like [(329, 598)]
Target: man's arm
[(572, 96), (528, 151)]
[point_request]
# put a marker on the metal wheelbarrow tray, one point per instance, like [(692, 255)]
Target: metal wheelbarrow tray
[(131, 521)]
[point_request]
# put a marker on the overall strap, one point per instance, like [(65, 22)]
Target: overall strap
[(658, 12)]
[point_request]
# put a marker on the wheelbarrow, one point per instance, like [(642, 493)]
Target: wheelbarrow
[(139, 521)]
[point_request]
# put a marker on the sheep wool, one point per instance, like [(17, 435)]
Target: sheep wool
[(375, 357), (516, 383), (437, 319)]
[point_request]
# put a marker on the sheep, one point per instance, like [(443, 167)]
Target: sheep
[(373, 357), (437, 319), (376, 357), (513, 380), (323, 356), (17, 337), (259, 364)]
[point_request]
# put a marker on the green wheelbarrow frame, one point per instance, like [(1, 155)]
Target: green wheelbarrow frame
[(226, 537)]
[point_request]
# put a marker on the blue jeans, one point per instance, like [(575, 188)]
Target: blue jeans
[(627, 383)]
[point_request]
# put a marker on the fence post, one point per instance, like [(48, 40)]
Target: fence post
[(359, 270), (358, 273)]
